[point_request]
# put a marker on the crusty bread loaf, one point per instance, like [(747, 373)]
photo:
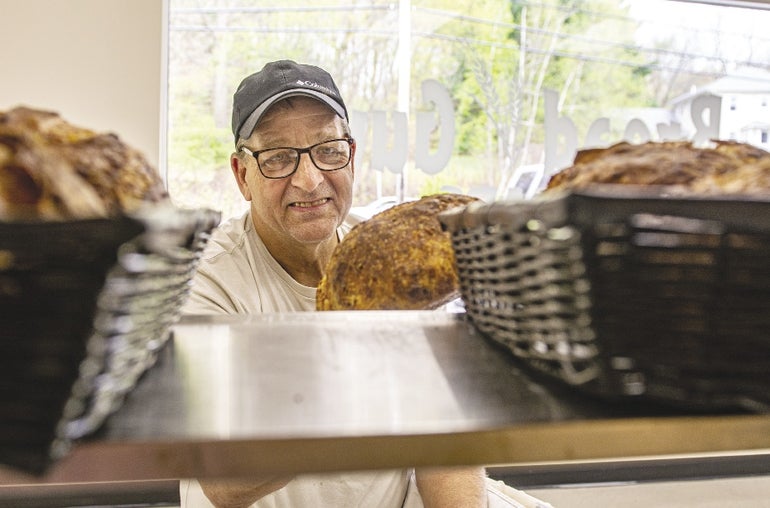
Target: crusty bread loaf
[(400, 259), (723, 168), (53, 170)]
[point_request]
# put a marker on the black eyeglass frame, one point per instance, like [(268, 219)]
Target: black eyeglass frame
[(300, 151)]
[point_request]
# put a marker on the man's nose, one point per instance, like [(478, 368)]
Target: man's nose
[(308, 176)]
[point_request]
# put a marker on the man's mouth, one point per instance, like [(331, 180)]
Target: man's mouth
[(310, 204)]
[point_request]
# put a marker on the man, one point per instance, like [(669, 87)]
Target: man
[(294, 163)]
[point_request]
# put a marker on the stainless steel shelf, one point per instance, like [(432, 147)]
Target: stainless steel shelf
[(335, 391)]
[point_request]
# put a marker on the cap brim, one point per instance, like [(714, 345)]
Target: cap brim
[(248, 126)]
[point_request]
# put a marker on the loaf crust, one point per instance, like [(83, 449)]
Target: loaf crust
[(51, 169), (400, 259), (722, 168)]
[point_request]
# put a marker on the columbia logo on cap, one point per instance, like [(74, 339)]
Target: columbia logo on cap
[(313, 84)]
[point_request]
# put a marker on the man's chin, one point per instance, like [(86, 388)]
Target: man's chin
[(314, 231)]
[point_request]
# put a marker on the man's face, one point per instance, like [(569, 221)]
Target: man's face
[(308, 206)]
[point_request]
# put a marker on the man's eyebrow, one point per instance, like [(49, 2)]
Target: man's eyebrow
[(278, 142)]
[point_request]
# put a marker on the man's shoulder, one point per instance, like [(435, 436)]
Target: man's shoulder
[(228, 237)]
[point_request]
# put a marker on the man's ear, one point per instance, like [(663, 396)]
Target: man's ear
[(353, 157), (239, 172)]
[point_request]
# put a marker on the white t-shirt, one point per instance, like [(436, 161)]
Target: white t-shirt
[(237, 275)]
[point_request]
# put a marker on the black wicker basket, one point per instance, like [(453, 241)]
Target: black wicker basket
[(624, 292), (85, 307)]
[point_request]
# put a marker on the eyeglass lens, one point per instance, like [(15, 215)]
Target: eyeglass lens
[(327, 156)]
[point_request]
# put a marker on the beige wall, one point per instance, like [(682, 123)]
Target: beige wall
[(99, 63)]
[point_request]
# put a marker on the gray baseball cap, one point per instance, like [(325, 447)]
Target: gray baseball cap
[(277, 81)]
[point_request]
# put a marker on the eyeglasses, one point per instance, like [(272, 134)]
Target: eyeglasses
[(283, 162)]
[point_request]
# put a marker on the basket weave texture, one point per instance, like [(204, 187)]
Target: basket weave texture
[(626, 293), (87, 304)]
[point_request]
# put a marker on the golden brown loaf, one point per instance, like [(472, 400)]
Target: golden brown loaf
[(400, 259), (726, 167), (53, 170)]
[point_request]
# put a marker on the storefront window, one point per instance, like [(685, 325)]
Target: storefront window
[(485, 97)]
